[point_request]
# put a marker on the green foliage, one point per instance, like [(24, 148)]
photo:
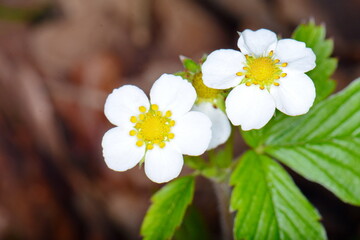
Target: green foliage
[(168, 209), (314, 37), (323, 145), (268, 203), (193, 227), (217, 168)]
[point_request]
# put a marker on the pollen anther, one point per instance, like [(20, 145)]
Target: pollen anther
[(142, 109), (133, 119), (152, 127), (284, 64), (154, 107)]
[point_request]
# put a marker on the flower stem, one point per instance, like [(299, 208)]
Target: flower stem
[(222, 191)]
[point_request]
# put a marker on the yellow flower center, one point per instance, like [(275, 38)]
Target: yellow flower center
[(202, 90), (262, 71), (152, 127)]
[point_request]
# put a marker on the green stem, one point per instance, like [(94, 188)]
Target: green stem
[(222, 192)]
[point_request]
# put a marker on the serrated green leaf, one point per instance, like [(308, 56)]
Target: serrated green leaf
[(168, 209), (314, 37), (268, 203), (324, 145)]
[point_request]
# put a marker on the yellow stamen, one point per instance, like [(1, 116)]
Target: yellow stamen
[(133, 119), (154, 107), (276, 61), (276, 84), (171, 136), (283, 75), (162, 145), (168, 114), (262, 87), (271, 53), (248, 84), (150, 147), (172, 123), (132, 133), (139, 143), (239, 73), (142, 116), (142, 109), (284, 64)]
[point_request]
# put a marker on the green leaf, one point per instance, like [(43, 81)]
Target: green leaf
[(268, 203), (193, 227), (168, 209), (314, 37), (324, 145)]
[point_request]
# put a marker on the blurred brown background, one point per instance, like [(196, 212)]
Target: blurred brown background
[(58, 62)]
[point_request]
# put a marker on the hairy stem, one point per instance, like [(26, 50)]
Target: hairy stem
[(222, 191)]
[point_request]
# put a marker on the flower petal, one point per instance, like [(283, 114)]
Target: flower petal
[(220, 127), (163, 164), (192, 133), (120, 151), (295, 95), (173, 93), (220, 68), (295, 53), (249, 107), (258, 43), (123, 103)]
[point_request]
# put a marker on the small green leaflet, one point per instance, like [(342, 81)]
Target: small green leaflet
[(314, 37), (268, 203), (168, 209), (190, 65)]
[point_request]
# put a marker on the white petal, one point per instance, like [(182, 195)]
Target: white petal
[(220, 68), (220, 127), (192, 133), (249, 107), (258, 43), (295, 95), (163, 164), (123, 103), (173, 93), (295, 53), (120, 151)]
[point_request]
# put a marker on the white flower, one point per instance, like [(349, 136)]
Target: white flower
[(265, 74), (206, 100), (220, 127), (159, 131)]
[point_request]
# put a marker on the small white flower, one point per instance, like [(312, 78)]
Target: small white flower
[(265, 74), (220, 127), (206, 99), (159, 131)]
